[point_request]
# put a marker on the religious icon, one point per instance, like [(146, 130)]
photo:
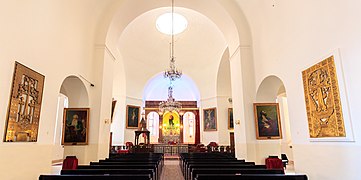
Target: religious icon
[(75, 127), (323, 103), (23, 115), (230, 118), (267, 119), (132, 116), (210, 119)]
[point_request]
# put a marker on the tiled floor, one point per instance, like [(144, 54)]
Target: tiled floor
[(171, 170)]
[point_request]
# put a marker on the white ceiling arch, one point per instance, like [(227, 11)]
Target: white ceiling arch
[(212, 24)]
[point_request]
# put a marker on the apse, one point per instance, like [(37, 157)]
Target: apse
[(184, 89)]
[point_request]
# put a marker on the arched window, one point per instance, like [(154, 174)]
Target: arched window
[(153, 126), (189, 127)]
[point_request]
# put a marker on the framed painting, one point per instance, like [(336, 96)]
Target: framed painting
[(230, 119), (75, 126), (210, 119), (267, 118), (22, 120), (132, 116)]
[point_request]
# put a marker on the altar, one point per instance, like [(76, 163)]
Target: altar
[(171, 149)]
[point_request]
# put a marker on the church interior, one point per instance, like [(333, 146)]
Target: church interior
[(259, 78)]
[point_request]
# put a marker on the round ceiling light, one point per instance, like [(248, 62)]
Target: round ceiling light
[(164, 23)]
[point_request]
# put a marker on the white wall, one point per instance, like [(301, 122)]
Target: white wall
[(292, 36), (54, 38)]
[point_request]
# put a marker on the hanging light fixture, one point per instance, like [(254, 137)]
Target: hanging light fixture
[(172, 73)]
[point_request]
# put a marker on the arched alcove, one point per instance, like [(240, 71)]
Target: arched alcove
[(75, 90), (272, 90), (73, 94)]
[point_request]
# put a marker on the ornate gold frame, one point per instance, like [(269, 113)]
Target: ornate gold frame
[(274, 126), (209, 111), (22, 121), (83, 132), (323, 103), (128, 117)]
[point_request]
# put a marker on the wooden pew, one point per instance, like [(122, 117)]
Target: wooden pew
[(123, 166), (96, 177), (250, 177), (196, 171), (150, 172), (221, 165)]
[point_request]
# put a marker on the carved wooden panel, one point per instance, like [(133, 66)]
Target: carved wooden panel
[(323, 104), (23, 115)]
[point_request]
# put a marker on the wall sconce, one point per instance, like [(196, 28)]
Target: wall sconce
[(238, 122)]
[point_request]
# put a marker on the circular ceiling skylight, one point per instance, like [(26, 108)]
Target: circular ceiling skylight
[(164, 23)]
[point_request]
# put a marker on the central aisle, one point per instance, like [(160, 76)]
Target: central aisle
[(171, 170)]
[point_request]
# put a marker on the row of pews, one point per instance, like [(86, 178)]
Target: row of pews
[(223, 166), (134, 166)]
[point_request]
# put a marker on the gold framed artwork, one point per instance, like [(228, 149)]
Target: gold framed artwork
[(267, 118), (132, 116), (323, 101), (22, 121), (210, 119), (230, 119), (75, 126)]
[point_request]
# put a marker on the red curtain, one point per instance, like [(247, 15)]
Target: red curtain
[(198, 131)]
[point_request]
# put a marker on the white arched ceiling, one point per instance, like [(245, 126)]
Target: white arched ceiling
[(213, 28), (269, 89), (75, 90), (184, 89), (145, 50)]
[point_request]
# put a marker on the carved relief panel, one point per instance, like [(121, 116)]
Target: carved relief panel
[(24, 107), (323, 102)]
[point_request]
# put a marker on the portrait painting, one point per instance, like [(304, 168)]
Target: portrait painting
[(75, 126), (267, 118), (230, 118), (210, 119), (323, 102), (132, 116), (23, 115)]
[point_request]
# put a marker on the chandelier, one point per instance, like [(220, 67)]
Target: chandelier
[(169, 105), (172, 73)]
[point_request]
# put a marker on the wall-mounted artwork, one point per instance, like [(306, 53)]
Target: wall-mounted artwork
[(230, 118), (323, 103), (267, 118), (210, 119), (22, 121), (75, 126), (132, 116)]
